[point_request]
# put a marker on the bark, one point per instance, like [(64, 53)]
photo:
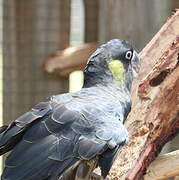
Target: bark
[(154, 119)]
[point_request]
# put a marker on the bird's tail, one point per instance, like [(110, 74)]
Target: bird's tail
[(9, 138)]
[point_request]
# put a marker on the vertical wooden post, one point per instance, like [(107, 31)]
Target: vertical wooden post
[(91, 20)]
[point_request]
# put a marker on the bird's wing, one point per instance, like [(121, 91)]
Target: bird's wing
[(43, 141), (12, 134), (45, 147), (57, 141)]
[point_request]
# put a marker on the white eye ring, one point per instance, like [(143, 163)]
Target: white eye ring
[(128, 55)]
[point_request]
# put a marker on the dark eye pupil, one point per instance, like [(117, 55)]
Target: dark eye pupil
[(128, 55)]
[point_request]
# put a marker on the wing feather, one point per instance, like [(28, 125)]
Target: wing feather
[(52, 138), (14, 132)]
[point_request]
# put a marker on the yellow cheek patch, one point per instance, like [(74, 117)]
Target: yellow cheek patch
[(117, 69)]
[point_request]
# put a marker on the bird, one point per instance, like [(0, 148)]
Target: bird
[(67, 136)]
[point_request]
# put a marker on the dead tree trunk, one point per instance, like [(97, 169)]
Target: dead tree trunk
[(154, 119)]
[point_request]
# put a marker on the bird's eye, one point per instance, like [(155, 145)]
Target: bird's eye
[(128, 55)]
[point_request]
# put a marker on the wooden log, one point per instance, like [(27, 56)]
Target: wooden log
[(165, 166), (154, 119), (73, 58)]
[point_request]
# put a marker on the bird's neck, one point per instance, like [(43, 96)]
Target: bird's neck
[(107, 82), (96, 79)]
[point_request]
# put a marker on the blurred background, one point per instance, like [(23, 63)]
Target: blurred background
[(33, 31)]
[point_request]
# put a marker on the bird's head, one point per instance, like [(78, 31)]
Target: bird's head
[(114, 61)]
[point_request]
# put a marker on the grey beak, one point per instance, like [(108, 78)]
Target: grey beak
[(135, 63)]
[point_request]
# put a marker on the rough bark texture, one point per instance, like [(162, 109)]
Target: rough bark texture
[(154, 119)]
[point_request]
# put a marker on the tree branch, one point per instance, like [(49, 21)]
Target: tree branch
[(64, 62), (154, 119), (165, 166)]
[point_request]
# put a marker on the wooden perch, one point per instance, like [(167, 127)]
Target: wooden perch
[(73, 58), (165, 166), (154, 119)]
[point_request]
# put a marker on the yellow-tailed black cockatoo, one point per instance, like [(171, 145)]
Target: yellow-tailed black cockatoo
[(67, 136)]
